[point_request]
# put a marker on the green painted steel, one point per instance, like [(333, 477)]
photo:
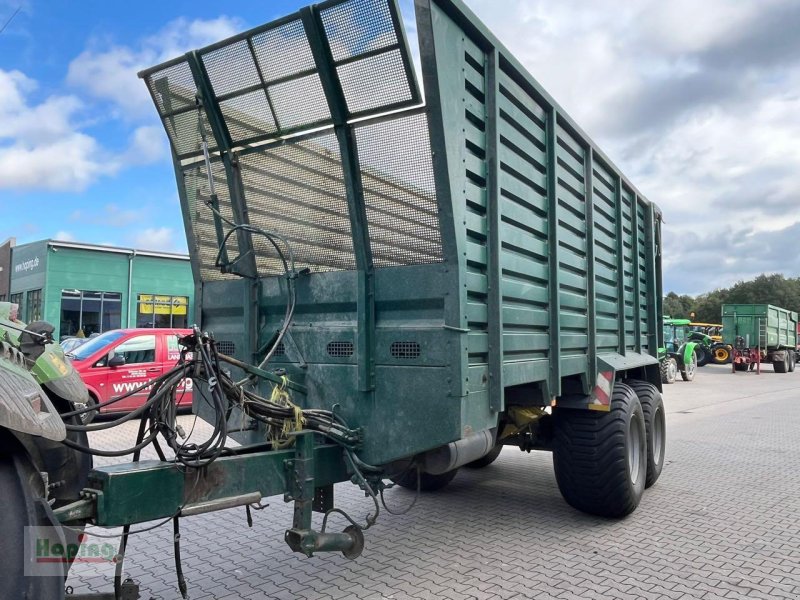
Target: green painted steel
[(125, 493), (449, 254), (765, 325)]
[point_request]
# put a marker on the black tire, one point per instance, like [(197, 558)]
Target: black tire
[(690, 370), (88, 417), (781, 366), (721, 355), (741, 366), (655, 426), (486, 460), (703, 356), (22, 499), (600, 458), (792, 361), (669, 370), (427, 481)]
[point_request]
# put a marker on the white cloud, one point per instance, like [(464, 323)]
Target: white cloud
[(697, 103), (158, 238), (63, 236), (111, 74)]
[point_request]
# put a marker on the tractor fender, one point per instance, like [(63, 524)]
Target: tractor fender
[(24, 406), (688, 351)]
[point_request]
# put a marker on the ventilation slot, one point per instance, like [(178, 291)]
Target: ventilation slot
[(280, 350), (340, 349), (405, 350), (226, 347)]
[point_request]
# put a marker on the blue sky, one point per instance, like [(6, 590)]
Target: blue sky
[(702, 114)]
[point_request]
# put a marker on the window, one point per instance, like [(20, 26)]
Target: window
[(16, 299), (84, 312), (139, 349), (33, 306), (162, 311), (84, 351)]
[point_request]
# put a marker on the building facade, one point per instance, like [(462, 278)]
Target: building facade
[(84, 289), (5, 268)]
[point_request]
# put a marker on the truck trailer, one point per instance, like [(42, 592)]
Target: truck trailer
[(760, 333), (391, 285)]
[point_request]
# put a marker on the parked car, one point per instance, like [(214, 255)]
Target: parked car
[(118, 361)]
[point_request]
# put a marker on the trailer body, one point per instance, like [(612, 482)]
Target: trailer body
[(442, 274), (761, 333)]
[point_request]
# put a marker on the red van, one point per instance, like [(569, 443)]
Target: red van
[(120, 360)]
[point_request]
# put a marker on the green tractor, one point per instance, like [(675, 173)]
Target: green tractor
[(704, 348), (679, 353)]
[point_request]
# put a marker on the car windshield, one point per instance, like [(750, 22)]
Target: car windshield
[(84, 351)]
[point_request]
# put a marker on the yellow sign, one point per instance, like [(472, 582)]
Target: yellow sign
[(163, 305)]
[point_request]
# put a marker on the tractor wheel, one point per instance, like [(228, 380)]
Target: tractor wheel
[(703, 356), (721, 355), (600, 458), (781, 366), (427, 481), (655, 426), (486, 460), (669, 370), (22, 496), (688, 371)]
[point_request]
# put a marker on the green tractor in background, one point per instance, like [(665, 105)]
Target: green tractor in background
[(679, 353)]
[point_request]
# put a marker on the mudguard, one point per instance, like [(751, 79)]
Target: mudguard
[(24, 406), (688, 350)]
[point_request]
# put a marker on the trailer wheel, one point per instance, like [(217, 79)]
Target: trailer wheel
[(427, 481), (487, 459), (781, 366), (600, 458), (669, 370), (21, 496), (688, 371), (741, 366), (655, 426), (792, 360)]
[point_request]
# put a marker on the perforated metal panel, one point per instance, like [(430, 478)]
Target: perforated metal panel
[(174, 91), (226, 347), (204, 236), (340, 349), (399, 192), (298, 191), (370, 57), (405, 350)]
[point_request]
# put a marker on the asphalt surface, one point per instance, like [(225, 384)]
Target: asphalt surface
[(722, 522)]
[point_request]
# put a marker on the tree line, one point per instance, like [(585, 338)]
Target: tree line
[(764, 289)]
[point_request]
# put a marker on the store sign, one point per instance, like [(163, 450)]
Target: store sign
[(27, 266), (163, 305)]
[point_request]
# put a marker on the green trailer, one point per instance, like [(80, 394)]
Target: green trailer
[(389, 287), (760, 333)]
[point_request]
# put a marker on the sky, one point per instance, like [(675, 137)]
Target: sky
[(698, 103)]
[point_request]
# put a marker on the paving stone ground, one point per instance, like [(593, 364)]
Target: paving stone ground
[(721, 523)]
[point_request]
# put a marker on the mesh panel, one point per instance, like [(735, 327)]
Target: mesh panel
[(226, 347), (203, 230), (248, 116), (299, 102), (399, 192), (184, 132), (283, 51), (231, 68), (364, 91), (358, 26), (297, 190), (173, 88)]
